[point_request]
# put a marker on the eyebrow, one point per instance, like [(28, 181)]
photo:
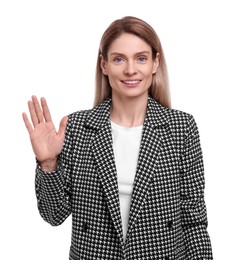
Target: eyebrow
[(138, 53)]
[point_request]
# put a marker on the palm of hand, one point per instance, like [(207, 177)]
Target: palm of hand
[(45, 140)]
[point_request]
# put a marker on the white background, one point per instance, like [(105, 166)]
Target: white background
[(49, 48)]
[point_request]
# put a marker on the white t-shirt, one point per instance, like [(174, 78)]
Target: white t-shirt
[(126, 144)]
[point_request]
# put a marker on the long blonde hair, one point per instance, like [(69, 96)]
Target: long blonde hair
[(159, 88)]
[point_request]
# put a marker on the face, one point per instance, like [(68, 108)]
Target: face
[(129, 66)]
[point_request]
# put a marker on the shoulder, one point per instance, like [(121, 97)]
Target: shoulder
[(176, 116), (78, 118), (179, 122), (80, 115), (168, 115), (93, 118), (182, 122)]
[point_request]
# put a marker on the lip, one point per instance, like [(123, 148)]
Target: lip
[(131, 83)]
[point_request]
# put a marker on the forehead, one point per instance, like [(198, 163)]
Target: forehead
[(128, 43)]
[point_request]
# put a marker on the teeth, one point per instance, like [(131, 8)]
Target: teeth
[(131, 81)]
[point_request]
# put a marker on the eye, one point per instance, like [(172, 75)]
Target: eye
[(142, 59), (118, 59)]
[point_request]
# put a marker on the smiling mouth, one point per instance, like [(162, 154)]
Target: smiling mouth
[(131, 83)]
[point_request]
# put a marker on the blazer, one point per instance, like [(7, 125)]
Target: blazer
[(168, 218)]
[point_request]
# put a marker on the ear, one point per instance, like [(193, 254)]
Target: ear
[(156, 63), (103, 65)]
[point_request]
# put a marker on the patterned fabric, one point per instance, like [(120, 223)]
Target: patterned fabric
[(168, 217)]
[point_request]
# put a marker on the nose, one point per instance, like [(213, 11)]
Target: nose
[(130, 68)]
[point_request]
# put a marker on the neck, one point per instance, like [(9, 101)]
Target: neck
[(128, 112)]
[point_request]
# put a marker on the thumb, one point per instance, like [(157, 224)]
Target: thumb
[(62, 126)]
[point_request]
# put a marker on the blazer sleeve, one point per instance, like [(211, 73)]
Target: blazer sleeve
[(194, 214), (53, 189)]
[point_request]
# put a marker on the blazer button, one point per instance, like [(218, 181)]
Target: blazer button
[(170, 224), (84, 227)]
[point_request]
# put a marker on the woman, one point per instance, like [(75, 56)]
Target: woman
[(130, 170)]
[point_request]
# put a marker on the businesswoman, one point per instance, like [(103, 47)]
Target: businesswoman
[(129, 170)]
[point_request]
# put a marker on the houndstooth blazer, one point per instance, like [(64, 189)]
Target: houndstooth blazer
[(168, 217)]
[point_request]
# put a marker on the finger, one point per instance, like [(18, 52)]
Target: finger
[(62, 126), (33, 115), (38, 109), (27, 123), (46, 111)]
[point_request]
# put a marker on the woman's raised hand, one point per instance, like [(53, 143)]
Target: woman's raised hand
[(45, 140)]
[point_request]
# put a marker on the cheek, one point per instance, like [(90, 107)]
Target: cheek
[(150, 78), (112, 80), (113, 75)]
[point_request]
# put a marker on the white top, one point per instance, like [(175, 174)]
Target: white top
[(126, 144)]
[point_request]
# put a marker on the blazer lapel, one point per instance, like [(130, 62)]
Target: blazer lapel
[(104, 156), (151, 144)]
